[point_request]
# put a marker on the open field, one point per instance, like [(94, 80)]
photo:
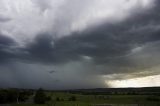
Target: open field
[(81, 97), (88, 100)]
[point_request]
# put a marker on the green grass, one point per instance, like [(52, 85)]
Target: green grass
[(86, 100)]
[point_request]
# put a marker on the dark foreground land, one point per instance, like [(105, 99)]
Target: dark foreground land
[(81, 97)]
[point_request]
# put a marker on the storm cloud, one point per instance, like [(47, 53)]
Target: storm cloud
[(77, 50)]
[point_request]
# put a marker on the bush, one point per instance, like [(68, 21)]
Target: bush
[(12, 95), (72, 98), (3, 97), (48, 98), (153, 98), (57, 99), (40, 97)]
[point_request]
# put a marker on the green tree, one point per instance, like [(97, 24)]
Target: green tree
[(3, 96), (72, 98), (12, 95), (40, 97)]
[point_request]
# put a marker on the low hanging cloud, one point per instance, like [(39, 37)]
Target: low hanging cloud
[(84, 46)]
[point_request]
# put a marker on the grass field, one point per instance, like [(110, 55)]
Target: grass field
[(87, 100)]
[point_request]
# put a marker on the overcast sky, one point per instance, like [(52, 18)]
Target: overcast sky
[(63, 44)]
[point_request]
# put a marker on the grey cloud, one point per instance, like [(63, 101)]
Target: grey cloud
[(41, 48), (4, 19), (43, 5), (112, 45), (22, 75), (5, 44), (52, 71), (4, 40), (106, 44), (125, 48)]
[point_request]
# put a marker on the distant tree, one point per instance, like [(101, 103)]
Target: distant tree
[(72, 98), (40, 97), (48, 98), (23, 96), (57, 99), (62, 99), (12, 95), (3, 96), (153, 98)]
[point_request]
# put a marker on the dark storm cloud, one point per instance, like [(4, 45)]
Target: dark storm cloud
[(52, 71), (5, 44), (124, 47), (6, 41), (104, 43), (41, 48), (107, 43)]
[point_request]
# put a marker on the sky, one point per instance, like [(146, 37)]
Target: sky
[(75, 44)]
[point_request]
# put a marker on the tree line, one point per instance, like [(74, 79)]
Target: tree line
[(18, 96), (14, 95)]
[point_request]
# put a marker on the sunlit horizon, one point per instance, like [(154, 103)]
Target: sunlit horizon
[(149, 81)]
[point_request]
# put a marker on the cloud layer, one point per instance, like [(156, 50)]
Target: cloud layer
[(80, 45)]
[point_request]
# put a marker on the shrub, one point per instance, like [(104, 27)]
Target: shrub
[(57, 99), (72, 98), (40, 97)]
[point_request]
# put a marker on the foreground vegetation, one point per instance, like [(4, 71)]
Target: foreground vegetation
[(67, 98)]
